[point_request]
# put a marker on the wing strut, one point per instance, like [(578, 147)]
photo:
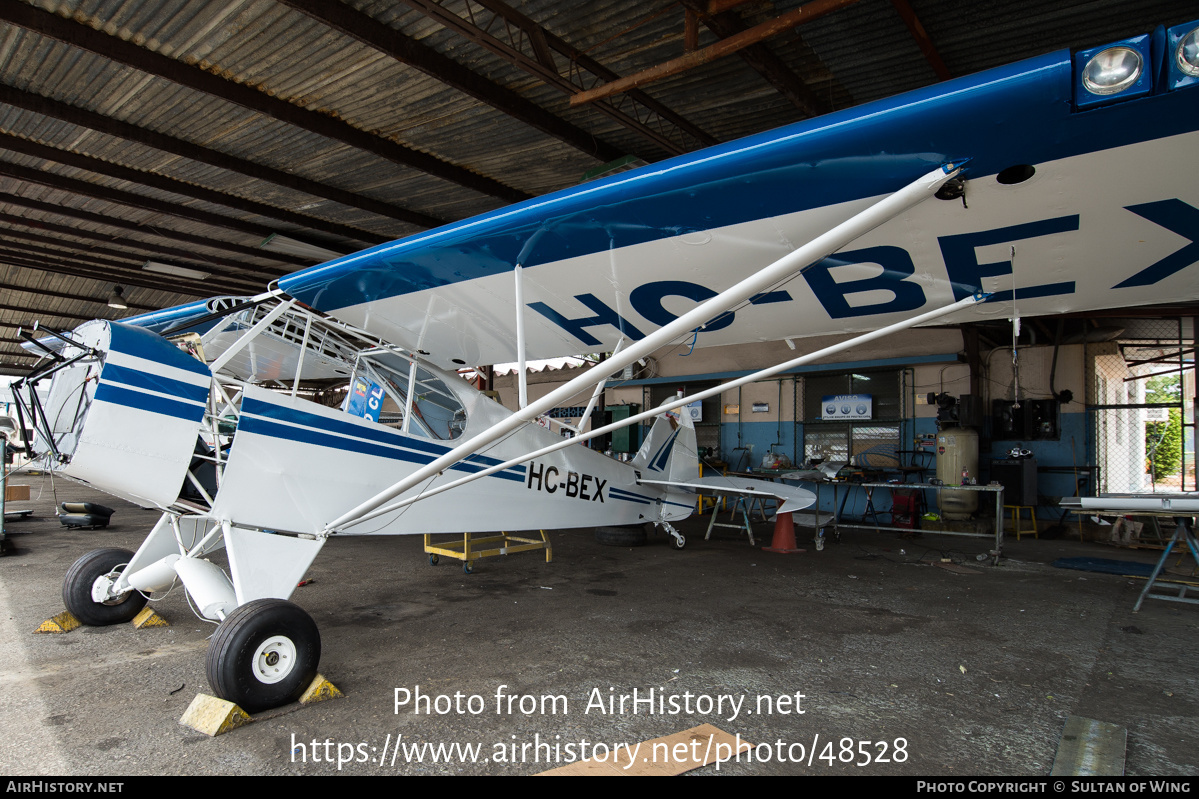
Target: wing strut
[(781, 270), (680, 402), (262, 324), (521, 376), (599, 390)]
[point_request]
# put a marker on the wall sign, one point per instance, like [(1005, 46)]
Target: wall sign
[(851, 407)]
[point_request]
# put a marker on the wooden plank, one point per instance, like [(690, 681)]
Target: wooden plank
[(1090, 748)]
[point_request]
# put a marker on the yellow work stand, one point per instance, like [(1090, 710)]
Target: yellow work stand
[(471, 549)]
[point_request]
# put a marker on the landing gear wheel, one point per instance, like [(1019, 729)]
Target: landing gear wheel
[(678, 543), (433, 560), (264, 655), (90, 570)]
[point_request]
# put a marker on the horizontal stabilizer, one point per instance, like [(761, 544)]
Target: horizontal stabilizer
[(792, 498)]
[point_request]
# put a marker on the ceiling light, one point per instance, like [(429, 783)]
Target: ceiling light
[(302, 249), (117, 299), (177, 271)]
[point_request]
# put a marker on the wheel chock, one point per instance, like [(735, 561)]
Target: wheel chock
[(62, 623), (213, 716), (319, 690), (146, 617)]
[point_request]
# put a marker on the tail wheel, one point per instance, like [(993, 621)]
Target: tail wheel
[(264, 655), (88, 577)]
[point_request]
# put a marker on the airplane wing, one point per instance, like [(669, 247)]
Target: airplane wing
[(791, 498), (1073, 202), (1170, 504)]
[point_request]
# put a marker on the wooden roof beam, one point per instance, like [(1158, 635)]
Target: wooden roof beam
[(148, 250), (84, 37), (47, 312), (153, 180), (391, 42), (67, 246), (19, 254), (159, 232), (83, 187), (641, 114), (68, 296), (107, 277), (722, 48), (82, 117), (761, 59), (908, 15)]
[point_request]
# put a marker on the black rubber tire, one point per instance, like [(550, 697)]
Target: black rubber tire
[(86, 507), (231, 654), (81, 521), (677, 544), (77, 589), (630, 536), (434, 560)]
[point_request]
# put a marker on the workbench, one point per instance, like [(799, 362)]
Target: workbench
[(1180, 507), (869, 488)]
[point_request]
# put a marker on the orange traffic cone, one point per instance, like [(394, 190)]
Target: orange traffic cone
[(784, 535)]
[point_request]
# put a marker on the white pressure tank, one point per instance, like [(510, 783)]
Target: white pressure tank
[(957, 458)]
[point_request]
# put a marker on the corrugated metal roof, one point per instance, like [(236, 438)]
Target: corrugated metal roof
[(853, 55)]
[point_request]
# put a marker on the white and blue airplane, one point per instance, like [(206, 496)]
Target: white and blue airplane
[(1063, 183)]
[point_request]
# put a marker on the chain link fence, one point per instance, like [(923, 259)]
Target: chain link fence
[(1135, 409)]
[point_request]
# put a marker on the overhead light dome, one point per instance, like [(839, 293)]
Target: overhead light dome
[(117, 299)]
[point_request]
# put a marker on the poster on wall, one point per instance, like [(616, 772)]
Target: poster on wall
[(366, 399), (846, 407)]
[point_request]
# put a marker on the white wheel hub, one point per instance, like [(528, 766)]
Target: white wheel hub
[(274, 659), (102, 591)]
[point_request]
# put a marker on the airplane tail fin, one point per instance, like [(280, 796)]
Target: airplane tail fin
[(669, 452)]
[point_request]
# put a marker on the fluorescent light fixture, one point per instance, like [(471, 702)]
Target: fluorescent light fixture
[(117, 299), (177, 271), (278, 243)]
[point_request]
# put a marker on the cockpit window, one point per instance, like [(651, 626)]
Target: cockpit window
[(380, 391)]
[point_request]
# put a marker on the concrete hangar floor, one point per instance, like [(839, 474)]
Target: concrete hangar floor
[(937, 672)]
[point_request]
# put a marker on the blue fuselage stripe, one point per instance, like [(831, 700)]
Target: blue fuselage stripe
[(380, 435), (107, 392), (617, 493), (136, 378), (307, 435)]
